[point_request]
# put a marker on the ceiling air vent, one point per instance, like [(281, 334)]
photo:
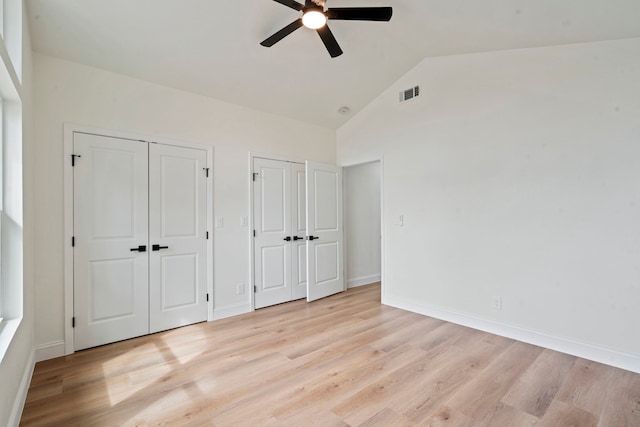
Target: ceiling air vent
[(409, 94)]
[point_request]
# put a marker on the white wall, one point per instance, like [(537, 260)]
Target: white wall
[(69, 92), (17, 364), (518, 175), (362, 223)]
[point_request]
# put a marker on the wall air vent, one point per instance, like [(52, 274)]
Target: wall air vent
[(409, 94)]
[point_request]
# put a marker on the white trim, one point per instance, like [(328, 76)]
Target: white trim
[(68, 234), (8, 329), (274, 157), (211, 230), (382, 229), (69, 130), (251, 287), (363, 280), (49, 350), (21, 393), (630, 362), (231, 310)]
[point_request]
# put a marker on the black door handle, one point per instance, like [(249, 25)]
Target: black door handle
[(288, 238), (141, 248), (158, 247), (298, 238), (312, 238)]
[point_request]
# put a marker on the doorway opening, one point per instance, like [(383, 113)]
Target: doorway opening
[(363, 223)]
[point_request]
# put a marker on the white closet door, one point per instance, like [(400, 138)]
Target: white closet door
[(299, 231), (110, 228), (324, 230), (272, 221), (177, 228)]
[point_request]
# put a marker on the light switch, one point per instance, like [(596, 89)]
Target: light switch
[(399, 220), (244, 221), (219, 222)]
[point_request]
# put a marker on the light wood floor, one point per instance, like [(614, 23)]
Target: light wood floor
[(344, 360)]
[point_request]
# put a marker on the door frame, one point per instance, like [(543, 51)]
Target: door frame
[(382, 223), (69, 130), (252, 279)]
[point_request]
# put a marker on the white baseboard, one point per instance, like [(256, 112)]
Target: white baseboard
[(630, 362), (363, 280), (230, 310), (49, 350), (21, 393)]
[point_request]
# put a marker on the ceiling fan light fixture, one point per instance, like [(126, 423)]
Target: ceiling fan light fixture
[(314, 19)]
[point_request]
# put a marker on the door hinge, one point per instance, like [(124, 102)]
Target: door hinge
[(255, 289), (254, 176), (254, 233), (73, 322), (207, 235), (207, 297), (73, 159), (206, 172), (73, 241)]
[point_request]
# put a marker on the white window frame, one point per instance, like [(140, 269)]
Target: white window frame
[(11, 163)]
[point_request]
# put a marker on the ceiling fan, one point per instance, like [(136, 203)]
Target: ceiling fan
[(315, 17)]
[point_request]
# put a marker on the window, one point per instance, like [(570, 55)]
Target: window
[(11, 216)]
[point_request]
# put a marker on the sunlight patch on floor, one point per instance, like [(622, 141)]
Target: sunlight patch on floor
[(181, 353), (124, 380)]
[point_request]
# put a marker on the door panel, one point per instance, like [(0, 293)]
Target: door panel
[(274, 198), (324, 224), (325, 191), (111, 289), (177, 224), (110, 218), (326, 262), (179, 185), (274, 267), (299, 217), (179, 280), (272, 219)]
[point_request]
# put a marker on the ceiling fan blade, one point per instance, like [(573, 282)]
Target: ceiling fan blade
[(329, 41), (290, 3), (282, 33), (360, 13)]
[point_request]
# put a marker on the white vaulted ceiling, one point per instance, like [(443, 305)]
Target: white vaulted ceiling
[(211, 47)]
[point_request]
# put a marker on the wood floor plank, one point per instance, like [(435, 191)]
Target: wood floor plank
[(337, 384), (589, 386), (415, 379), (623, 408), (561, 414), (403, 336), (345, 360), (479, 397), (388, 418), (506, 415), (538, 386), (450, 377), (446, 417)]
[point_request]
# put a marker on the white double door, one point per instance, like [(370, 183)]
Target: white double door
[(298, 237), (140, 238)]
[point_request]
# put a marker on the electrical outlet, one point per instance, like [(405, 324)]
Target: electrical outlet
[(497, 303), (240, 288)]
